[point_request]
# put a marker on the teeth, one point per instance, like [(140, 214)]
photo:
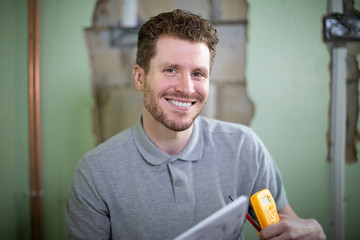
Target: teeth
[(180, 104)]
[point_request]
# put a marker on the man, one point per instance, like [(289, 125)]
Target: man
[(174, 168)]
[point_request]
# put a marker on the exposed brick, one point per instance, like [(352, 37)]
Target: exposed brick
[(233, 104), (229, 65)]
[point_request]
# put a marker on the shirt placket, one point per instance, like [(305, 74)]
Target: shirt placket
[(182, 188)]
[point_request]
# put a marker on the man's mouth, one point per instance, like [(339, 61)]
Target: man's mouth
[(180, 104)]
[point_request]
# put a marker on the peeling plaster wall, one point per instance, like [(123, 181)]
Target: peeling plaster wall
[(286, 60)]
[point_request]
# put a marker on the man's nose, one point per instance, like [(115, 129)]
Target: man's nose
[(185, 84)]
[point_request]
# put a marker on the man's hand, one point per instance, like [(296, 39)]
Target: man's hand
[(292, 227)]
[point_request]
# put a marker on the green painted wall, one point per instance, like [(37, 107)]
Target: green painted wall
[(14, 154), (66, 103), (288, 80)]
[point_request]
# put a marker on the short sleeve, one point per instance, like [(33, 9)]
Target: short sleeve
[(268, 176), (86, 213)]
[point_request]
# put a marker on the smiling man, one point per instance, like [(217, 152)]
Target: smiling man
[(174, 168)]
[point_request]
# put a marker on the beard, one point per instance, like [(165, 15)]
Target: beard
[(152, 106)]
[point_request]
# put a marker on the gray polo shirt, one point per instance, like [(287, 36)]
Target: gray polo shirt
[(127, 188)]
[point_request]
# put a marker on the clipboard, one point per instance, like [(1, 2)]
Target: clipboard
[(226, 223)]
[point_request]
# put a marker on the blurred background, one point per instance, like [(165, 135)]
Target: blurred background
[(287, 77)]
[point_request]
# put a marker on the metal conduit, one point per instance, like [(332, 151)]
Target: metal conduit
[(34, 119)]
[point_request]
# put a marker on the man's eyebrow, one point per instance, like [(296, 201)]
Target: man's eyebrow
[(201, 68), (169, 65), (204, 70)]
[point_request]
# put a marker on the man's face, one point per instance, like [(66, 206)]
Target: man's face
[(176, 87)]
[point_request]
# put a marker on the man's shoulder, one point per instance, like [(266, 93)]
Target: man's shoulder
[(111, 147), (216, 126)]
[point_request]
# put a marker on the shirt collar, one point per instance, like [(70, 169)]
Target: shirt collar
[(153, 155)]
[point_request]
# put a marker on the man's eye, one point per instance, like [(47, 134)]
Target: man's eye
[(170, 70), (198, 74)]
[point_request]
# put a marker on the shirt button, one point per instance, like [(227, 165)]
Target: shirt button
[(178, 183)]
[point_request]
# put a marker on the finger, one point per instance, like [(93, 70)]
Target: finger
[(271, 231)]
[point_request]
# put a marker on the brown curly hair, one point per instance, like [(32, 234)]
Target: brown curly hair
[(179, 24)]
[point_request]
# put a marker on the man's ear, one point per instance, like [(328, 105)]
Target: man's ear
[(139, 77)]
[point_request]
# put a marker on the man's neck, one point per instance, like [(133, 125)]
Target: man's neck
[(169, 141)]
